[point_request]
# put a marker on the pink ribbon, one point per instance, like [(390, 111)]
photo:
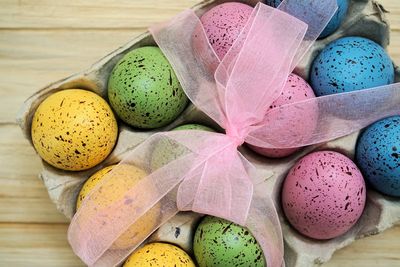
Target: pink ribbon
[(203, 171)]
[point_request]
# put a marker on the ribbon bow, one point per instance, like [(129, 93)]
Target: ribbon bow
[(203, 171)]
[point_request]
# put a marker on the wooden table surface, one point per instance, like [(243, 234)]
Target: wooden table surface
[(44, 40)]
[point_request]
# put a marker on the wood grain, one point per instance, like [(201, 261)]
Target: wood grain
[(42, 41), (23, 197), (81, 14), (43, 245)]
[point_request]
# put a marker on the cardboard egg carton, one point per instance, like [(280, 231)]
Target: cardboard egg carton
[(365, 18)]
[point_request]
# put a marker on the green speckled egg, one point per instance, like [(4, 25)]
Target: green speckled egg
[(144, 90), (220, 243), (167, 150)]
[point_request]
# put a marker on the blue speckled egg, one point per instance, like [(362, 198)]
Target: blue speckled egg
[(333, 24), (350, 64), (377, 154)]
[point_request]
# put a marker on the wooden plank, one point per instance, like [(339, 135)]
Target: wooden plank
[(49, 55), (380, 250), (88, 14), (23, 197), (393, 7), (105, 14), (35, 245), (394, 47)]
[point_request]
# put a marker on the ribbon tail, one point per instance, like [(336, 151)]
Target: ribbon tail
[(193, 60), (130, 202), (263, 220), (263, 223), (316, 14), (331, 117), (115, 257), (228, 186), (220, 186)]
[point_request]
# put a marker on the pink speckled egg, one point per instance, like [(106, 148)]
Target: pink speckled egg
[(296, 89), (223, 23), (323, 195)]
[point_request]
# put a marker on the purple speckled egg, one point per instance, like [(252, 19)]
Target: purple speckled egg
[(296, 89), (323, 195), (223, 23)]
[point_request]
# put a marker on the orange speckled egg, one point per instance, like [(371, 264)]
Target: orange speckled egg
[(74, 130), (124, 176), (159, 254)]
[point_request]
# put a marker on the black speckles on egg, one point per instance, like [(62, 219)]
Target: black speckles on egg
[(223, 24), (377, 155), (333, 24), (221, 243), (115, 182), (144, 90), (295, 90), (166, 151), (90, 184), (74, 130), (159, 254), (323, 195), (273, 3), (350, 64)]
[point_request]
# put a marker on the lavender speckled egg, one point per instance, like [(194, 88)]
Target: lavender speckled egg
[(220, 243), (378, 155), (296, 89), (350, 64), (323, 195), (334, 23), (144, 90), (223, 23)]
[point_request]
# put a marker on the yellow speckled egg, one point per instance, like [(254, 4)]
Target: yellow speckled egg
[(74, 129), (159, 255), (124, 177)]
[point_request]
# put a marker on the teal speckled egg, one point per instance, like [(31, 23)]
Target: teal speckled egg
[(220, 243), (167, 150), (144, 90), (378, 155)]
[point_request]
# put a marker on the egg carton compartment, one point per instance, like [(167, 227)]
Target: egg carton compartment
[(365, 18)]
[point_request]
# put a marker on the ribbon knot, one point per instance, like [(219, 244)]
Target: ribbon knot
[(236, 135)]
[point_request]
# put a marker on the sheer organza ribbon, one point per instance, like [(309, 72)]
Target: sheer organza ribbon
[(203, 171)]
